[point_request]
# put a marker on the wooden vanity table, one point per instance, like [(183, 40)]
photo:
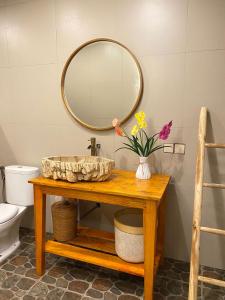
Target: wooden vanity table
[(121, 189)]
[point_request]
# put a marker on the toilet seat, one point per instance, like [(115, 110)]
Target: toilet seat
[(7, 212)]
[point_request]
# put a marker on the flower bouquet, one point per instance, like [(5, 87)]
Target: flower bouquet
[(141, 143)]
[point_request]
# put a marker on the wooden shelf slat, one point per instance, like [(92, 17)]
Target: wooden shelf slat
[(96, 258), (95, 240), (86, 231), (96, 247)]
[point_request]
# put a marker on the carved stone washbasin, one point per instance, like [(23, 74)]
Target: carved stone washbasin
[(77, 168)]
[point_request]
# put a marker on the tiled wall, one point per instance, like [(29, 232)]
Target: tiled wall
[(181, 47)]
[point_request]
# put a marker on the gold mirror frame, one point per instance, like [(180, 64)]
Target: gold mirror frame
[(63, 83)]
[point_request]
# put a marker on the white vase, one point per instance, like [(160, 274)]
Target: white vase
[(143, 170)]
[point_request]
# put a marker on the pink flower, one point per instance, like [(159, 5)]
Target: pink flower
[(115, 122), (165, 132), (119, 131)]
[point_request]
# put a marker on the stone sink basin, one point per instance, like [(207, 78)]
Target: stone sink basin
[(77, 168)]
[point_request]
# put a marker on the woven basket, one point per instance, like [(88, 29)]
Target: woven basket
[(64, 218)]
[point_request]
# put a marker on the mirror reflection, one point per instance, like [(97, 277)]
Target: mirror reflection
[(101, 80)]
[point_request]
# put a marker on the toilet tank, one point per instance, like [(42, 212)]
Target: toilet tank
[(18, 190)]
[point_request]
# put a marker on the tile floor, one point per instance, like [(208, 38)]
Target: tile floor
[(67, 279)]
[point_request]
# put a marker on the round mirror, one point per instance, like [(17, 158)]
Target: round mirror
[(101, 80)]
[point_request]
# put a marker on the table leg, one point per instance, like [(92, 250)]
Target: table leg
[(40, 215), (150, 219), (161, 229)]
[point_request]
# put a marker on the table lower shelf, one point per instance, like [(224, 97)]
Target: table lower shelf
[(98, 248)]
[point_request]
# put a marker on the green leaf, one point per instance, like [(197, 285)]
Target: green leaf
[(156, 148), (150, 145), (123, 148), (131, 148), (127, 136), (129, 139), (146, 136), (146, 148), (138, 146)]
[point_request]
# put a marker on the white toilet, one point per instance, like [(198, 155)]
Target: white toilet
[(19, 195)]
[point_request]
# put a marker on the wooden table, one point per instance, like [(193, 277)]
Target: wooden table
[(122, 189)]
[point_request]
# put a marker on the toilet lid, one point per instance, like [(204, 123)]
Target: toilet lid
[(7, 212)]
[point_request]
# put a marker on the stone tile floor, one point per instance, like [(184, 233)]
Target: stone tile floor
[(67, 279)]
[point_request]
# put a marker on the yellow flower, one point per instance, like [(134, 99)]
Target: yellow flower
[(140, 116), (134, 130), (142, 124)]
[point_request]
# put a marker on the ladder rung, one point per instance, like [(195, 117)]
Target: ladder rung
[(212, 230), (214, 185), (212, 281), (212, 145)]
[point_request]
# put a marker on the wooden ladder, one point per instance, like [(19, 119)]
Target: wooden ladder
[(197, 228)]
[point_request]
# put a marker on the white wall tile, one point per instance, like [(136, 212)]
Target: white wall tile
[(206, 24), (160, 24), (7, 154), (178, 221), (204, 86), (3, 17), (213, 216), (80, 21), (31, 33), (3, 37), (4, 93), (34, 96), (11, 2), (164, 88), (3, 48)]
